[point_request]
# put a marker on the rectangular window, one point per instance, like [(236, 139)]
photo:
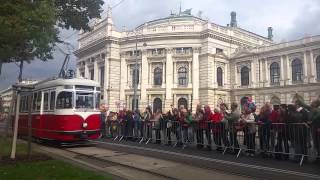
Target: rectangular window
[(218, 50), (52, 99), (22, 103), (64, 100), (46, 101), (38, 102), (102, 76), (34, 101), (92, 74), (29, 98), (82, 74), (84, 100)]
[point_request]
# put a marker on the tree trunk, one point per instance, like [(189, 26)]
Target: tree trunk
[(20, 71)]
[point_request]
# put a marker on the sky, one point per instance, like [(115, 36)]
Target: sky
[(290, 19)]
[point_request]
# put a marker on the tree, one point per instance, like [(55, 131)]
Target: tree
[(29, 28)]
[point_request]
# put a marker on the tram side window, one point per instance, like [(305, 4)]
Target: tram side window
[(34, 101), (38, 103), (52, 99), (46, 101), (22, 103), (64, 100)]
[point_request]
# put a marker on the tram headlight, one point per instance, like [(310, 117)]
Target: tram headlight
[(84, 125)]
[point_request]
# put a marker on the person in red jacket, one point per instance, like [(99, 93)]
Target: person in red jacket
[(216, 129), (206, 124)]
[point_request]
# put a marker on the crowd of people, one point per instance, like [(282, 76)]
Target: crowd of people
[(275, 131)]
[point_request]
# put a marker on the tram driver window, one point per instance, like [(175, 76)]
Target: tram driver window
[(64, 100), (84, 100)]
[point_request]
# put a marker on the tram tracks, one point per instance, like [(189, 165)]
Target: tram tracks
[(97, 162)]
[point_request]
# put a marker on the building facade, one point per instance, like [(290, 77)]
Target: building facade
[(6, 95), (186, 60)]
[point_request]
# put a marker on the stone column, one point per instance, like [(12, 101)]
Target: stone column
[(267, 74), (169, 79), (174, 72), (106, 77), (195, 78), (123, 77), (305, 68), (96, 70), (261, 82), (225, 79), (214, 73), (189, 73), (313, 77), (289, 76), (253, 73), (282, 75), (78, 74), (163, 73), (236, 72), (144, 79), (86, 70)]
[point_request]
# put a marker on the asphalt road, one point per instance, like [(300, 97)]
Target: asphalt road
[(253, 167)]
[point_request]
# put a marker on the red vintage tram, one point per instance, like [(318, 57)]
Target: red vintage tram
[(65, 110)]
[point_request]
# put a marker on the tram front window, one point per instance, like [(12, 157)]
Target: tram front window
[(64, 100), (84, 100)]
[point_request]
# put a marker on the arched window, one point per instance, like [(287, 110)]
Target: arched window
[(157, 104), (275, 73), (157, 76), (275, 100), (220, 76), (318, 67), (245, 76), (297, 72), (183, 102), (182, 76), (133, 76)]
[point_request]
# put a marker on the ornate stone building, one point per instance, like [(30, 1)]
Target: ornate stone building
[(186, 60)]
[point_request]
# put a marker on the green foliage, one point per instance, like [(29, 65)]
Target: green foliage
[(29, 28), (51, 169), (77, 13)]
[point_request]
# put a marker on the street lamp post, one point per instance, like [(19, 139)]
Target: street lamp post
[(135, 79)]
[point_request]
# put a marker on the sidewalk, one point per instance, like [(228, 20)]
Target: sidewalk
[(132, 166)]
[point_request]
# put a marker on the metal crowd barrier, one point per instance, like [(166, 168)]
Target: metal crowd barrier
[(297, 141)]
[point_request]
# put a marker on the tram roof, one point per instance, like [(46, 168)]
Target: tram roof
[(61, 82)]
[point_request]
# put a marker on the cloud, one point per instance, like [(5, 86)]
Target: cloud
[(290, 19)]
